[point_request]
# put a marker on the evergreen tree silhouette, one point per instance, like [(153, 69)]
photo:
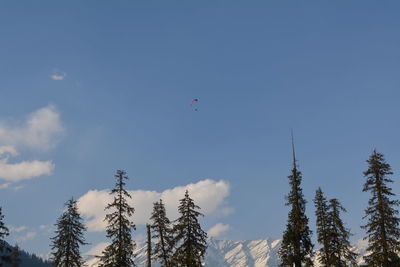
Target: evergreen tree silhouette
[(296, 248), (119, 229), (162, 235), (383, 233), (340, 248), (4, 249), (69, 237), (190, 239), (322, 221), (15, 257)]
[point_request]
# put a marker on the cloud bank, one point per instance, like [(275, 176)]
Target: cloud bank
[(210, 195), (40, 131)]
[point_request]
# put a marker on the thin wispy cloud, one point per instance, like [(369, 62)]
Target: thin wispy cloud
[(5, 185), (8, 150), (17, 188), (26, 237), (45, 227), (58, 75), (210, 195), (17, 229)]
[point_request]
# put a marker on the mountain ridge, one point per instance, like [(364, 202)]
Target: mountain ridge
[(233, 253)]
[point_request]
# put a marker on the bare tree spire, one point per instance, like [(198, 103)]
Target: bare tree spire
[(293, 150), (148, 245)]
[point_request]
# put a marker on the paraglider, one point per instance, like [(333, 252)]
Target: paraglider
[(193, 103)]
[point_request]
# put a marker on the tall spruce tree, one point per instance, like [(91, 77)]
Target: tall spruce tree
[(4, 249), (190, 239), (15, 256), (383, 233), (322, 221), (119, 229), (69, 237), (296, 248), (332, 235), (340, 248), (162, 235)]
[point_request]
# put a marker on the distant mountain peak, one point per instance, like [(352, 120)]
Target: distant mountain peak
[(233, 253)]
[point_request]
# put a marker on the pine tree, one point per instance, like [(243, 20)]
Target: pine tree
[(69, 237), (383, 233), (332, 235), (296, 248), (341, 254), (162, 234), (15, 256), (322, 221), (120, 252), (4, 232), (190, 239)]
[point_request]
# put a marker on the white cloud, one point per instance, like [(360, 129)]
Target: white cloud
[(5, 185), (8, 150), (40, 131), (43, 227), (15, 172), (19, 187), (210, 195), (17, 229), (58, 75), (47, 228), (27, 236), (218, 229)]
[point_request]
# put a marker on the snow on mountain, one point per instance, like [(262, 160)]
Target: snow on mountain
[(229, 253), (257, 253)]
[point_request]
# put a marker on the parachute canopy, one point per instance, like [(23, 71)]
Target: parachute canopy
[(193, 103)]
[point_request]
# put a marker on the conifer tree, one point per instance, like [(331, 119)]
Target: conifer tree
[(332, 235), (383, 233), (15, 257), (190, 239), (4, 232), (120, 252), (296, 248), (340, 248), (322, 221), (69, 237), (162, 235)]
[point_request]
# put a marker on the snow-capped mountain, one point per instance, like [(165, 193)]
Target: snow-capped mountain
[(257, 253), (228, 253)]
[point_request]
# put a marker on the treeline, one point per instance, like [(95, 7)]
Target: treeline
[(381, 227), (181, 243), (12, 256)]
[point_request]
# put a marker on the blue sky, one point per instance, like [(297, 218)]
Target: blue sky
[(91, 87)]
